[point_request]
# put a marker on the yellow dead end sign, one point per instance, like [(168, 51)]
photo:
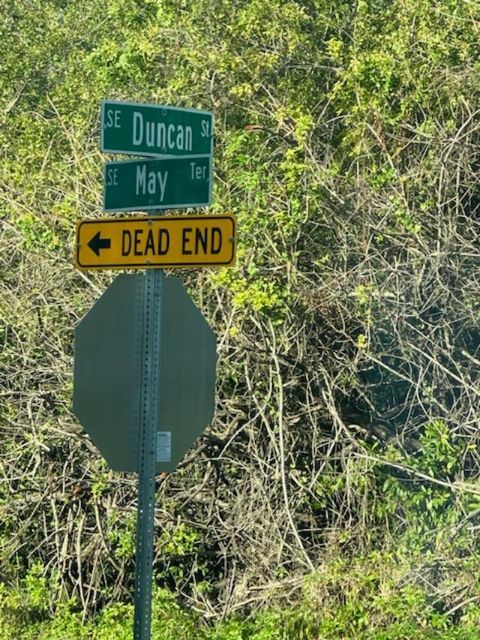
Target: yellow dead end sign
[(140, 243)]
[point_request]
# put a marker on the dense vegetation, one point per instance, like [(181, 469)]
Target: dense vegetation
[(337, 492)]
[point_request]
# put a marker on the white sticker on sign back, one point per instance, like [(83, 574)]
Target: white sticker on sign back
[(164, 446)]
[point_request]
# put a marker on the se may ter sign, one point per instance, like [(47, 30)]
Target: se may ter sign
[(142, 243), (167, 183), (154, 130)]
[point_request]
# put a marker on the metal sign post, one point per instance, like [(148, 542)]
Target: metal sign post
[(151, 349)]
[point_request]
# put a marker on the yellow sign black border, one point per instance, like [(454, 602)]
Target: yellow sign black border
[(86, 265)]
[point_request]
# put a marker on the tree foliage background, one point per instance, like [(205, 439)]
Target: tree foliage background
[(346, 142)]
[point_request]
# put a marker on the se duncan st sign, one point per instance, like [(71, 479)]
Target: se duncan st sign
[(147, 242), (155, 130)]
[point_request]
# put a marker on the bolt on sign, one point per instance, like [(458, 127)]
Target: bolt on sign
[(147, 242), (155, 130), (166, 183)]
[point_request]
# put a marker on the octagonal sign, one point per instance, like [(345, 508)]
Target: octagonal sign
[(108, 370)]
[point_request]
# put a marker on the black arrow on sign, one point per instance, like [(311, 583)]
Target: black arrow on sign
[(97, 243)]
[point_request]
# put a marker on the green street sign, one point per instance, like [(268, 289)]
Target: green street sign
[(155, 130), (167, 183)]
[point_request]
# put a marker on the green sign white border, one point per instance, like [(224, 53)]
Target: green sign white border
[(158, 207), (154, 106)]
